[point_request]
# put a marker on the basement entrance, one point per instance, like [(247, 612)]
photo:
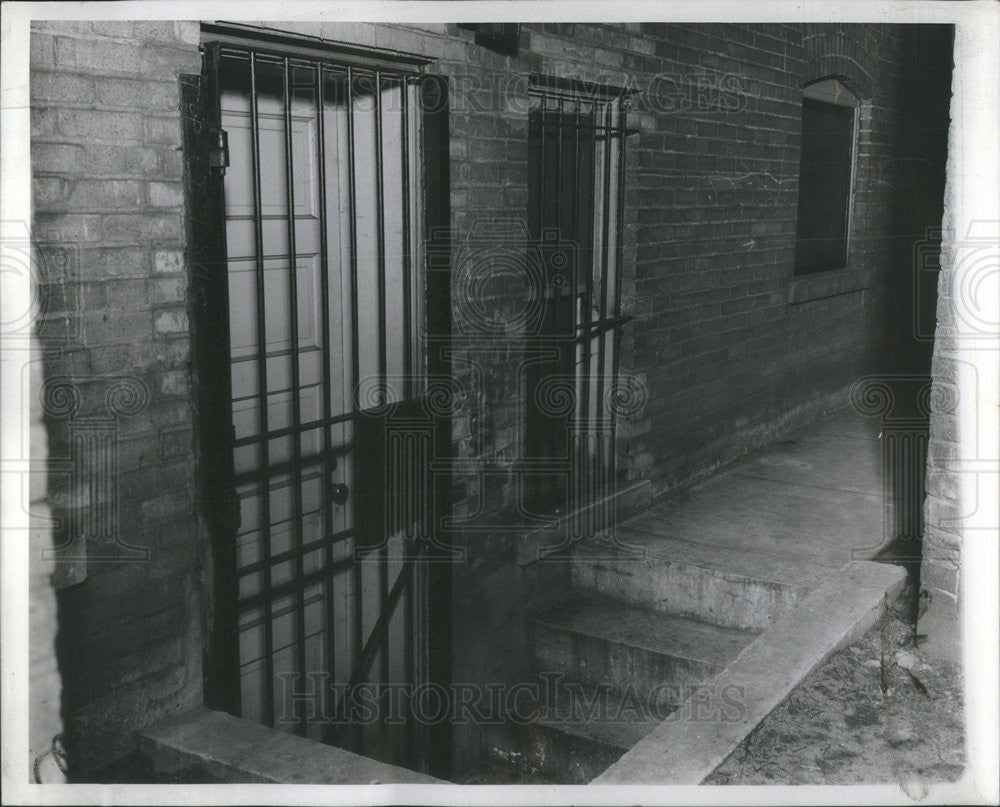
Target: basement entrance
[(317, 441)]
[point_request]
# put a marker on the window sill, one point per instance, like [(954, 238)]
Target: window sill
[(823, 284)]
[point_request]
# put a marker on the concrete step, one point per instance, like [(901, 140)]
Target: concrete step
[(683, 751), (605, 643), (735, 588), (571, 733)]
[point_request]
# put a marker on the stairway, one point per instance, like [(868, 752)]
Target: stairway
[(614, 660), (771, 551)]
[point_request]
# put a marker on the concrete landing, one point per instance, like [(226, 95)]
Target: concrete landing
[(705, 728), (742, 548), (813, 500), (214, 745)]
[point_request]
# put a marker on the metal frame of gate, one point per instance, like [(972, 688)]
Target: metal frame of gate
[(207, 157), (582, 114)]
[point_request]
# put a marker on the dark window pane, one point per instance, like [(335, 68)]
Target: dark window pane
[(824, 186)]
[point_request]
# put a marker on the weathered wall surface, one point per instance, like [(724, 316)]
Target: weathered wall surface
[(732, 350), (108, 216), (960, 510)]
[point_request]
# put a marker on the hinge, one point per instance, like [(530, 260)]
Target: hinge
[(218, 153)]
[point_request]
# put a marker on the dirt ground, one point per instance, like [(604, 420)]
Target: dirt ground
[(857, 720)]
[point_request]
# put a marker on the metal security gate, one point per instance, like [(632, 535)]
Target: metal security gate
[(576, 140), (308, 192)]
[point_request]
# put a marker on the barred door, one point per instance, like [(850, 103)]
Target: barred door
[(320, 209)]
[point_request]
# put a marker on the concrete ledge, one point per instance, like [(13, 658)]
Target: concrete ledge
[(230, 749), (554, 541), (818, 286), (708, 726)]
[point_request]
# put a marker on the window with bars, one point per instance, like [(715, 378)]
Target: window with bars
[(576, 140)]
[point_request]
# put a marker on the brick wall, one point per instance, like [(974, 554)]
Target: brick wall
[(728, 361), (960, 510), (109, 220)]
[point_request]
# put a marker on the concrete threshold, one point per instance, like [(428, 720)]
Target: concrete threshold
[(711, 723), (204, 743)]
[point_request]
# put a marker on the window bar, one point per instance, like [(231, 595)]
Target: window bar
[(546, 497), (558, 200), (253, 439), (616, 343), (329, 633), (293, 319), (408, 664), (356, 634), (584, 302), (265, 499), (289, 554), (408, 392), (404, 92), (557, 303), (383, 562), (605, 224), (588, 290)]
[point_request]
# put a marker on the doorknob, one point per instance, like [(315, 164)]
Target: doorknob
[(339, 493)]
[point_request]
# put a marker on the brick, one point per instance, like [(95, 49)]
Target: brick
[(44, 122), (119, 160), (102, 55), (163, 129), (168, 62), (106, 194), (56, 158), (175, 383), (41, 49), (143, 227), (91, 124), (48, 191), (61, 87), (114, 262), (161, 507), (168, 261), (67, 228), (187, 32), (166, 194), (156, 31), (101, 329), (171, 321), (942, 575), (138, 94), (176, 442)]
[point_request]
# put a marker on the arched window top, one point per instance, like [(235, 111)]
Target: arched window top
[(831, 91)]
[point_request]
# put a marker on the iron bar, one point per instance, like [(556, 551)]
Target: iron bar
[(404, 137), (605, 232), (267, 596), (293, 319), (619, 248), (383, 566), (330, 634), (356, 612), (265, 499), (305, 427), (328, 540)]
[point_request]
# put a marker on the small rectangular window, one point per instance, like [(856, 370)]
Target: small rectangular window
[(825, 171)]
